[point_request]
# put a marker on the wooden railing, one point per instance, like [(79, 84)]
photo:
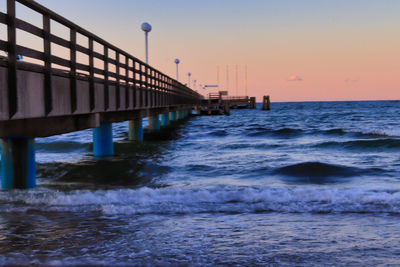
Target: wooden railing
[(146, 86)]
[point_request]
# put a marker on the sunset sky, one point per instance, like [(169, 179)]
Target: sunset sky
[(294, 50)]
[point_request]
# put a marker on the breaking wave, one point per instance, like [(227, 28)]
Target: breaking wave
[(363, 144), (224, 199), (321, 170)]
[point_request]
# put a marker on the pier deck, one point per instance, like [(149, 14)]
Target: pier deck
[(51, 93)]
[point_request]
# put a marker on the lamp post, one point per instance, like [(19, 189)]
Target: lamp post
[(177, 72), (189, 74), (146, 27)]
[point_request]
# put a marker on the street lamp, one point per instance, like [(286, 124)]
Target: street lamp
[(177, 73), (189, 74), (146, 28)]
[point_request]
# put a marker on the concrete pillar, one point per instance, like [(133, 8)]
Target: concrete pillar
[(164, 119), (18, 166), (154, 123), (136, 130), (103, 140), (172, 116)]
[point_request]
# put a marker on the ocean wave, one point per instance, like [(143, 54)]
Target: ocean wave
[(382, 132), (386, 144), (238, 146), (374, 133), (319, 169), (282, 132), (322, 173), (62, 146), (227, 199), (219, 133)]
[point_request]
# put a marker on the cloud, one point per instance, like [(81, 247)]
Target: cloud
[(351, 80), (294, 78)]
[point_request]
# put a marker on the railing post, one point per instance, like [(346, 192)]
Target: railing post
[(106, 75), (73, 70), (117, 87), (12, 59), (144, 86), (47, 64), (91, 75), (127, 86), (134, 88)]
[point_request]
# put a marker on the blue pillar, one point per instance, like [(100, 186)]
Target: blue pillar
[(178, 114), (172, 116), (136, 130), (164, 119), (18, 166), (154, 123), (103, 140)]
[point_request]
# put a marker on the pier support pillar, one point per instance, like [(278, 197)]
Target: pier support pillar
[(227, 110), (154, 123), (164, 119), (178, 115), (136, 130), (266, 103), (252, 102), (103, 140), (172, 116), (18, 166)]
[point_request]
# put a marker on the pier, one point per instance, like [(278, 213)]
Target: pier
[(61, 94), (220, 103), (52, 93)]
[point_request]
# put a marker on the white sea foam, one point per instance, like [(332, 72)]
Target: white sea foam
[(223, 199), (382, 132)]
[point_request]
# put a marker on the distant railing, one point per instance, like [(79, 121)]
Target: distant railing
[(214, 96), (122, 71), (235, 97)]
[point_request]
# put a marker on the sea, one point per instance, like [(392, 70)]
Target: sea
[(304, 184)]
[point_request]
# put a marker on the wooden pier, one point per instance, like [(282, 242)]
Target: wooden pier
[(220, 103), (61, 93), (49, 93)]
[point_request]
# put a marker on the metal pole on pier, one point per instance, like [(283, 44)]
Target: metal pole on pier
[(177, 71), (218, 75), (146, 27), (227, 78), (245, 79), (236, 79)]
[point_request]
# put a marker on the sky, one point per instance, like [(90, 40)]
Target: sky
[(307, 50)]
